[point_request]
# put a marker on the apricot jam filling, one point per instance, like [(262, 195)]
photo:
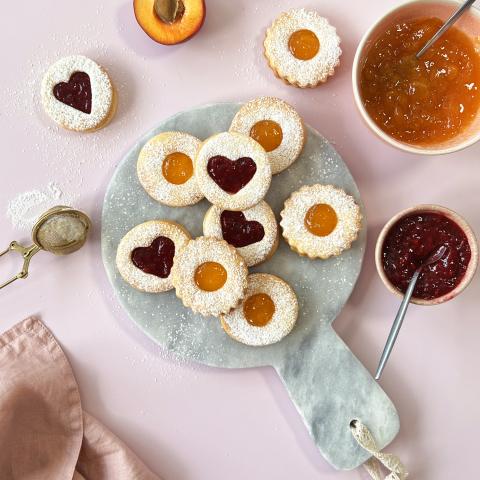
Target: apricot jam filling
[(177, 168), (303, 44), (210, 276), (422, 101), (268, 134), (321, 220), (258, 309)]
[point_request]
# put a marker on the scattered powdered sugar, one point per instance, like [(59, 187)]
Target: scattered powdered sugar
[(283, 319), (303, 73), (25, 209), (271, 108)]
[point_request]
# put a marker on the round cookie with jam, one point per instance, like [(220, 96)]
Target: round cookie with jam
[(146, 253), (320, 221), (233, 171), (276, 126), (302, 48), (78, 94), (165, 169), (253, 232), (209, 276), (267, 314)]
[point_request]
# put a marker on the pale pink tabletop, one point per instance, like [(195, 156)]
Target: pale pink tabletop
[(188, 421)]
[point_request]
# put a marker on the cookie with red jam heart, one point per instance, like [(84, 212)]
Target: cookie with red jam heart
[(77, 93), (253, 232), (232, 171), (146, 253)]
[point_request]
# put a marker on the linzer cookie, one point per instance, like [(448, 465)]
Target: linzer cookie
[(320, 221), (165, 169), (253, 232), (145, 254), (232, 171), (267, 314), (276, 126), (302, 48), (78, 95), (209, 276)]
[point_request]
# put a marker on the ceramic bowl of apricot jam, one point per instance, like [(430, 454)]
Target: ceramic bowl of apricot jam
[(430, 105), (414, 234)]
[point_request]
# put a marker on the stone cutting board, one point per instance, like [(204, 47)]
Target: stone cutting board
[(326, 382)]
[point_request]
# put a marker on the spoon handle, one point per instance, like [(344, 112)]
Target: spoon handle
[(445, 26), (397, 323)]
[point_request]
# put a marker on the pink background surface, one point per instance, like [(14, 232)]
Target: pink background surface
[(187, 421)]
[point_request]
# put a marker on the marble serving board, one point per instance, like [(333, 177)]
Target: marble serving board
[(326, 382)]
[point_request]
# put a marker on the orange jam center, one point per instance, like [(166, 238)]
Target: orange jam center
[(321, 220), (210, 276), (268, 134), (177, 168), (422, 101), (258, 309), (303, 44)]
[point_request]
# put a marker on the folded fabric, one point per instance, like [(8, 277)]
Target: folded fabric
[(44, 433)]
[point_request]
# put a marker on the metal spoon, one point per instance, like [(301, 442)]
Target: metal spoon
[(60, 230), (454, 17), (435, 256)]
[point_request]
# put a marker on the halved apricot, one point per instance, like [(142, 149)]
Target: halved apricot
[(189, 20)]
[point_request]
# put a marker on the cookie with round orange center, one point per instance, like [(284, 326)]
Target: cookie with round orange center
[(302, 48), (320, 221), (146, 253), (165, 169), (267, 313), (232, 171), (276, 126), (209, 276), (253, 232)]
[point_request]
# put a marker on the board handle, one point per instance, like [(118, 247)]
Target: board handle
[(330, 388)]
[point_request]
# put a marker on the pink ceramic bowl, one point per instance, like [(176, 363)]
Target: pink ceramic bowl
[(469, 23), (472, 266)]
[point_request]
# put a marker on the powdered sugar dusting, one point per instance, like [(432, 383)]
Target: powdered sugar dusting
[(283, 319), (302, 73), (270, 108)]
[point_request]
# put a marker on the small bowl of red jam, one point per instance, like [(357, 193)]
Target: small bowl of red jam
[(429, 105), (414, 234)]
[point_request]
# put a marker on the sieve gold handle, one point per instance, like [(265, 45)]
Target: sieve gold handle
[(27, 253)]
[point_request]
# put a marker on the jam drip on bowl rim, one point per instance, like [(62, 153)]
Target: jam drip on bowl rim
[(411, 240)]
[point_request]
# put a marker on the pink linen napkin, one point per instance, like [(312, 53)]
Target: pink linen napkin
[(44, 433)]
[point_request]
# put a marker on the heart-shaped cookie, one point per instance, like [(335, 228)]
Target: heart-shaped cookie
[(238, 231), (231, 175), (157, 259), (76, 93)]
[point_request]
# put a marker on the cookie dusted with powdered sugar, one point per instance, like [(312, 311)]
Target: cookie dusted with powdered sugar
[(302, 48), (165, 169), (267, 314), (232, 171), (209, 276), (320, 221), (253, 232), (78, 95), (276, 126), (146, 253)]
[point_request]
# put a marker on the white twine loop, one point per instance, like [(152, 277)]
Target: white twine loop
[(365, 439)]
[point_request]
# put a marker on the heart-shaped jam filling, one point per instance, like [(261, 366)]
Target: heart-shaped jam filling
[(157, 259), (231, 175), (238, 231), (76, 93)]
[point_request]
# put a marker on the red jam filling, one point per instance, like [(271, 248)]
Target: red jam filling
[(157, 259), (238, 231), (231, 175), (76, 93), (411, 240)]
